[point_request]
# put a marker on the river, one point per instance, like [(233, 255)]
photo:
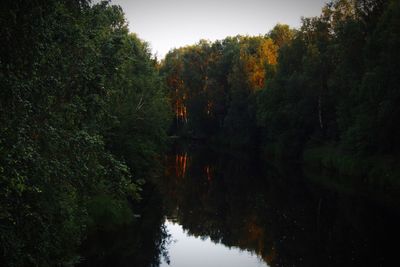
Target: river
[(217, 209)]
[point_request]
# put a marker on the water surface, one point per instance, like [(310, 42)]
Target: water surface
[(186, 250), (252, 213), (213, 208)]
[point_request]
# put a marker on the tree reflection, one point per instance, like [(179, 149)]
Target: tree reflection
[(274, 212), (140, 243)]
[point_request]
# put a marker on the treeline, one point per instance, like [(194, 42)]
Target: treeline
[(213, 85), (84, 109), (83, 114), (327, 92)]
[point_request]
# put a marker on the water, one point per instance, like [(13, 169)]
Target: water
[(223, 209), (186, 250), (238, 211)]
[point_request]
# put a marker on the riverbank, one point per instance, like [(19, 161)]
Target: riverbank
[(377, 176)]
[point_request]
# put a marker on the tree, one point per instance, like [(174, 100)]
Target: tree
[(60, 95)]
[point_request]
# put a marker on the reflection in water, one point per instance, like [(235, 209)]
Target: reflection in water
[(207, 170), (275, 213), (232, 210), (141, 243), (199, 252), (181, 161)]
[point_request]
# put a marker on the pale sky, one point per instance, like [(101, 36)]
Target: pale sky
[(166, 24)]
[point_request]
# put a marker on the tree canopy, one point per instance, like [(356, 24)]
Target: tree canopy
[(85, 109), (83, 113)]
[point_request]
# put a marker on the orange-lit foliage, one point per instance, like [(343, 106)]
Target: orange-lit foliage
[(180, 109), (255, 57), (204, 79), (181, 163), (178, 94), (253, 236), (178, 97), (207, 170)]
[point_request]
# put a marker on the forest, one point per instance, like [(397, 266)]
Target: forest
[(87, 113), (326, 93)]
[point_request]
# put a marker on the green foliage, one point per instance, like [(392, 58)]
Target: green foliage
[(139, 108), (107, 213), (332, 81), (281, 34), (336, 82), (376, 172), (213, 87), (82, 110)]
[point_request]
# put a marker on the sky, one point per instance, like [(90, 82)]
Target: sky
[(168, 24)]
